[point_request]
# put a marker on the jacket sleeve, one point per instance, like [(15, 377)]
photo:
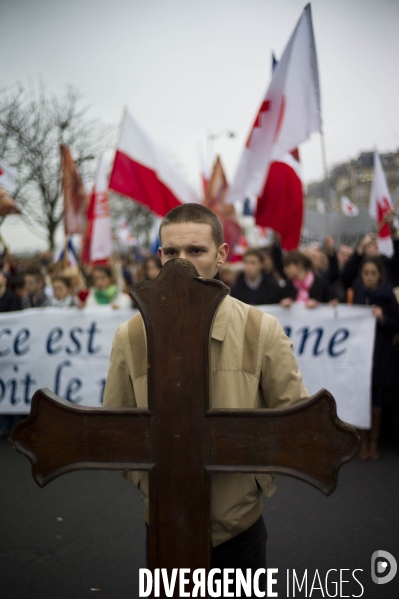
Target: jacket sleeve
[(280, 380), (333, 268), (118, 392), (393, 262), (351, 270)]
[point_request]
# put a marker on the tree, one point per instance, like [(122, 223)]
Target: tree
[(33, 125), (138, 217)]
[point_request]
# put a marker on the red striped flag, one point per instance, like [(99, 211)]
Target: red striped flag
[(142, 173), (97, 246)]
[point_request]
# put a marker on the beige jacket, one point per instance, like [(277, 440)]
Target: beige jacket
[(252, 366)]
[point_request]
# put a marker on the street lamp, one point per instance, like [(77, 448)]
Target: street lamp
[(212, 137)]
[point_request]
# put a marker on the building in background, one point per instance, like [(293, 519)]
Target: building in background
[(353, 179)]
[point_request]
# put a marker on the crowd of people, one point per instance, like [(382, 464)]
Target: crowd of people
[(318, 274)]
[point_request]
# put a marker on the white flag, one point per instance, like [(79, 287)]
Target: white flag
[(380, 204), (98, 243), (7, 177), (289, 113), (348, 208)]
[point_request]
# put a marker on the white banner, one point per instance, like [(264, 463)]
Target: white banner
[(334, 350), (68, 352)]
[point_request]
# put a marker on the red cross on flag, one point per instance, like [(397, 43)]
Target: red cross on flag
[(380, 204), (289, 113), (348, 208)]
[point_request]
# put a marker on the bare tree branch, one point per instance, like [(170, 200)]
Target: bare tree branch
[(33, 124)]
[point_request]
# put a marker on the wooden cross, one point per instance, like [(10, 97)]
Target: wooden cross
[(179, 440)]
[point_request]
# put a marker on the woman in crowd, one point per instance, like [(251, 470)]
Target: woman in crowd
[(105, 292), (150, 268), (303, 284), (371, 288), (63, 292)]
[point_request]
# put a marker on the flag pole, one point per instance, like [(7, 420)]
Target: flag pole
[(65, 257), (324, 159)]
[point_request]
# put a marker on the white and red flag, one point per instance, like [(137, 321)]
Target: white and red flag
[(142, 173), (348, 207), (97, 246), (280, 207), (75, 196), (380, 204), (289, 112), (7, 177)]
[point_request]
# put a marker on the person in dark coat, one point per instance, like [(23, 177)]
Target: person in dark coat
[(368, 246), (9, 301), (254, 286), (371, 288), (35, 283), (303, 284)]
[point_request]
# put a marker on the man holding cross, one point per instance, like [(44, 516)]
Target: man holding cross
[(251, 366)]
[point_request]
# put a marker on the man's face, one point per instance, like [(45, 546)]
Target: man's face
[(33, 285), (101, 280), (343, 254), (371, 248), (193, 242), (319, 259), (252, 267)]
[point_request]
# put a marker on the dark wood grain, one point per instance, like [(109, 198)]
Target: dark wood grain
[(59, 437), (307, 441), (178, 391), (179, 440)]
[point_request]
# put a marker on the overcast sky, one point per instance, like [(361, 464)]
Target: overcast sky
[(188, 67)]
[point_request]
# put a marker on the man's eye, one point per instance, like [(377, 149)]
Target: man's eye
[(196, 252)]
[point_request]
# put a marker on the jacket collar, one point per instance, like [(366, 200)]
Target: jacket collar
[(222, 319)]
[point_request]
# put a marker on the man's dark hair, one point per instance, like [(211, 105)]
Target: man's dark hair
[(107, 270), (35, 271), (253, 252), (296, 257), (376, 260), (194, 213), (17, 281), (67, 281)]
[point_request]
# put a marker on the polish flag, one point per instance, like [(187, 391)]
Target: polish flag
[(7, 177), (215, 200), (348, 208), (280, 207), (142, 173), (380, 204), (97, 247), (289, 112)]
